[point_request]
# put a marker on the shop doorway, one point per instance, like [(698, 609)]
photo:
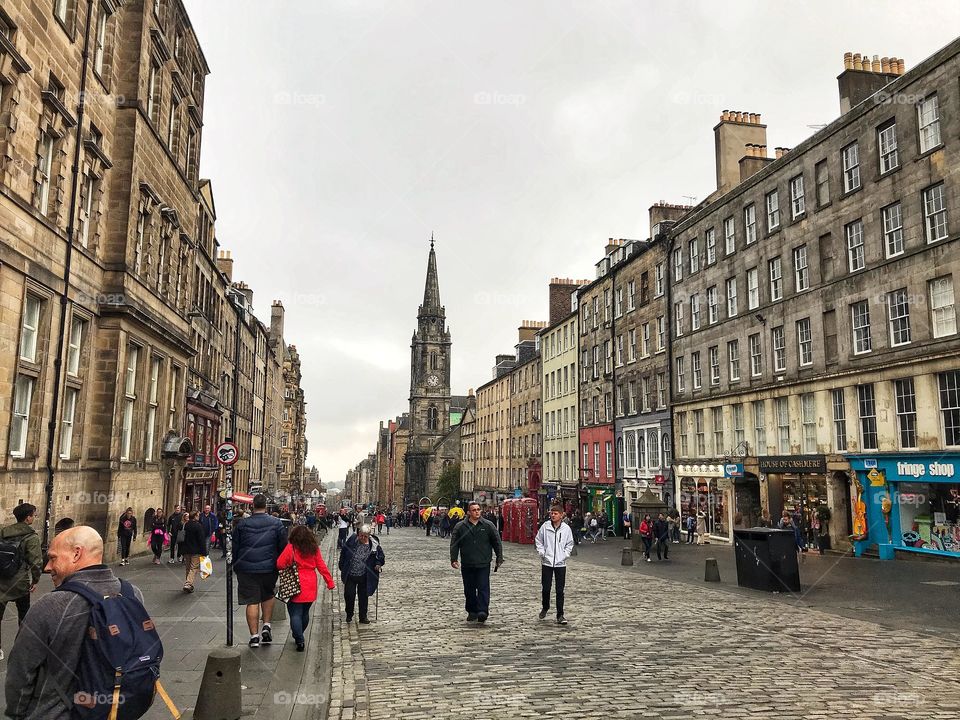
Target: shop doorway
[(747, 494)]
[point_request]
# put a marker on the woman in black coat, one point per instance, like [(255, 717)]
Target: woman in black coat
[(158, 531), (193, 546)]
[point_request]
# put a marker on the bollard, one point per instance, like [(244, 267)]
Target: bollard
[(711, 572), (626, 557), (219, 697), (279, 611), (636, 542)]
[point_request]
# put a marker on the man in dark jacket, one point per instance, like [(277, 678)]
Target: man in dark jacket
[(257, 543), (17, 587), (44, 661), (661, 533), (475, 541), (174, 524), (210, 524), (193, 546)]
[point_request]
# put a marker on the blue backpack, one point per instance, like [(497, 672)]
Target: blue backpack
[(119, 659)]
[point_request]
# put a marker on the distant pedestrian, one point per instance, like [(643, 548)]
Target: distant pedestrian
[(175, 524), (675, 516), (221, 532), (63, 524), (671, 527), (210, 524), (343, 528), (389, 522), (126, 533), (691, 529), (702, 528), (661, 534), (303, 552), (444, 526), (627, 517), (158, 534), (646, 534), (257, 543), (475, 542), (554, 543), (21, 562), (192, 546), (46, 657), (361, 562), (381, 519)]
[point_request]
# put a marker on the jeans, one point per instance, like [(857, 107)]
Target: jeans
[(676, 533), (351, 589), (342, 536), (175, 549), (647, 542), (547, 574), (476, 589), (23, 604), (299, 613), (664, 543), (125, 546), (690, 532)]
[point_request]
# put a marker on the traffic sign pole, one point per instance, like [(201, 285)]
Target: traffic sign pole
[(227, 454)]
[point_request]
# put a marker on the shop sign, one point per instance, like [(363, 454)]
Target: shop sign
[(793, 464), (921, 469), (659, 479), (733, 470)]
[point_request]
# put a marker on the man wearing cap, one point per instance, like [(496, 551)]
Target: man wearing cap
[(475, 542), (361, 562)]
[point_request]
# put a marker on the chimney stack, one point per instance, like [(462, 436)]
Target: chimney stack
[(863, 76), (732, 135), (225, 264), (560, 291)]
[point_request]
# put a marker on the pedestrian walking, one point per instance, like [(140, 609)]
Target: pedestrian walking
[(257, 543), (444, 526), (675, 516), (303, 553), (646, 535), (661, 534), (193, 545), (45, 661), (671, 527), (21, 562), (126, 533), (627, 523), (702, 528), (691, 528), (210, 524), (175, 525), (360, 565), (381, 519), (554, 543), (475, 542), (429, 523), (158, 534), (343, 528), (389, 522)]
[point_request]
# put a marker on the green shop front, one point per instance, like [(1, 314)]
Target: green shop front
[(907, 503)]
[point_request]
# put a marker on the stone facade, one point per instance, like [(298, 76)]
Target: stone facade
[(823, 323), (293, 426), (526, 428), (560, 386)]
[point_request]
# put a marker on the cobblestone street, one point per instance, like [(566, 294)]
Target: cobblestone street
[(636, 647)]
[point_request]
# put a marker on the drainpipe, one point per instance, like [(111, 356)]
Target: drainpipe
[(670, 321), (64, 301)]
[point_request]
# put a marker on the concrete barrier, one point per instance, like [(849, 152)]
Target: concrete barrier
[(626, 557), (711, 572), (220, 697)]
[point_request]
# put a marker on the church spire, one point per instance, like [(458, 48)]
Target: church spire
[(431, 292)]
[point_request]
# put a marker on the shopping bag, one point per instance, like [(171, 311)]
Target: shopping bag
[(206, 567)]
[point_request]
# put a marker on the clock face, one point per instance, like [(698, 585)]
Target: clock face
[(433, 381)]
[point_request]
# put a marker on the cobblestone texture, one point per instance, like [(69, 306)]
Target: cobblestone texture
[(636, 647)]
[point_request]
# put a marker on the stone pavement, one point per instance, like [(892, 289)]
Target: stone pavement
[(637, 646), (278, 682)]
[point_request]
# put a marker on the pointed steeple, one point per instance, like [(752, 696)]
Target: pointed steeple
[(431, 292)]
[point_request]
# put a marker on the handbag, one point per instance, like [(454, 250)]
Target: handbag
[(288, 583)]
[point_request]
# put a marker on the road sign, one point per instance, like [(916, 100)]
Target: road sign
[(875, 477), (227, 453)]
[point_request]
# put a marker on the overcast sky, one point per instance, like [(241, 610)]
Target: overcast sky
[(339, 134)]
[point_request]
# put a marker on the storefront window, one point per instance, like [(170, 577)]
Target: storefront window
[(930, 515), (703, 496), (808, 493)]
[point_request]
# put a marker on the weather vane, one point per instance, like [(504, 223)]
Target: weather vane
[(431, 239)]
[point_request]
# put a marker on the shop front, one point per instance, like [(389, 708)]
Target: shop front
[(705, 492), (602, 499), (907, 503)]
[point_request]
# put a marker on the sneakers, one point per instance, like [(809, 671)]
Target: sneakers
[(543, 614), (648, 559), (364, 621), (266, 637), (561, 620), (188, 588), (171, 561), (254, 641), (481, 617), (471, 617), (349, 618), (300, 647)]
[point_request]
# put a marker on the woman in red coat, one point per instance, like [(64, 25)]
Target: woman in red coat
[(304, 551)]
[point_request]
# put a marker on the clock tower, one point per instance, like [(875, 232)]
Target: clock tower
[(429, 386)]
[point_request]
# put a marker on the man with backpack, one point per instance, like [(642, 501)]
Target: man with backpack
[(21, 561), (73, 639)]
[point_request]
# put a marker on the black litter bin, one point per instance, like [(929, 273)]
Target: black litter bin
[(767, 559)]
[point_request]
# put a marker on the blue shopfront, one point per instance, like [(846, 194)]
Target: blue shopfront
[(907, 503)]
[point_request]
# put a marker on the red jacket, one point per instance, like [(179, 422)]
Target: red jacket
[(646, 529), (306, 567)]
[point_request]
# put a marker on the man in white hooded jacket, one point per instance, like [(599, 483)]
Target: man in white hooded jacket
[(554, 543)]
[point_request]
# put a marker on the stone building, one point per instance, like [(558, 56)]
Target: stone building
[(525, 446), (814, 325), (560, 388), (293, 426), (492, 436), (429, 389), (468, 449), (105, 293), (399, 438)]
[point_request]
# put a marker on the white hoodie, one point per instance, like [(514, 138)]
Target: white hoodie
[(554, 545)]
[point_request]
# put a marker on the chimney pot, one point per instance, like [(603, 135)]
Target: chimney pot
[(763, 151), (857, 64), (875, 65), (848, 61), (885, 65), (900, 67)]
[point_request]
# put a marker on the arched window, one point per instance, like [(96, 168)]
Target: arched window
[(666, 451), (432, 418), (641, 449), (434, 361), (654, 450), (620, 457)]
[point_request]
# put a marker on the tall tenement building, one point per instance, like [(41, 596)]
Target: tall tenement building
[(814, 331), (115, 335)]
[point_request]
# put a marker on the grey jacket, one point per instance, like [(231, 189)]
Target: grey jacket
[(46, 652)]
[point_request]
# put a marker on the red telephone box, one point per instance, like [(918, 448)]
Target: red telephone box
[(506, 510), (527, 520)]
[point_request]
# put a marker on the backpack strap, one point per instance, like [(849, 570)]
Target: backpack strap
[(83, 590)]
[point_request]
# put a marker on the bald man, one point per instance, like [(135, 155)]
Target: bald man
[(42, 666)]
